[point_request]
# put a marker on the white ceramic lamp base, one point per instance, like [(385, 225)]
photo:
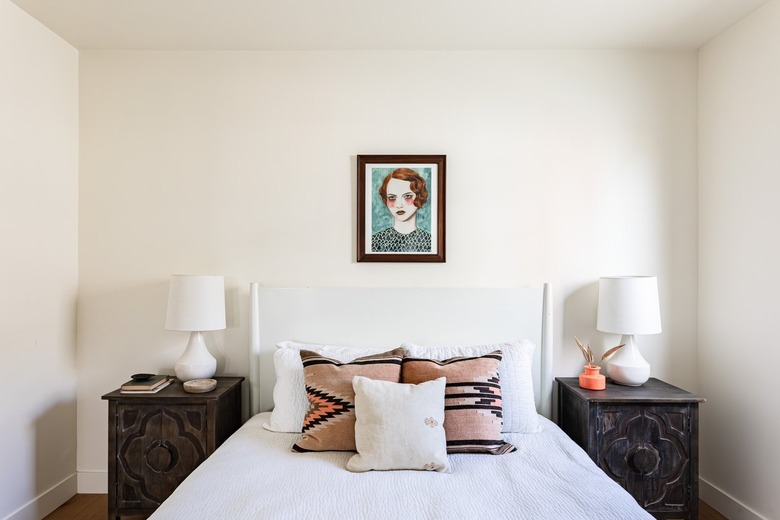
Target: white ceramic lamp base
[(196, 362), (627, 366)]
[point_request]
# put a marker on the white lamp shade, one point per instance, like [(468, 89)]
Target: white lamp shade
[(196, 303), (629, 305)]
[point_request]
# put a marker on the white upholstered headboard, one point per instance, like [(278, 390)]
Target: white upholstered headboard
[(387, 317)]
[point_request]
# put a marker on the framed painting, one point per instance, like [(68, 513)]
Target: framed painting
[(400, 213)]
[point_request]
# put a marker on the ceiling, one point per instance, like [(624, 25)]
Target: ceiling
[(388, 24)]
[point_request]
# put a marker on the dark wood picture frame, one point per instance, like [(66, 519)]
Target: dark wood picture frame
[(377, 238)]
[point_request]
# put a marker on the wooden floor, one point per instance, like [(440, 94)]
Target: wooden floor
[(706, 512), (95, 507), (82, 507), (85, 507)]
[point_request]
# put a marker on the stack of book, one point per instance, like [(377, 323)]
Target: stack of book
[(147, 386)]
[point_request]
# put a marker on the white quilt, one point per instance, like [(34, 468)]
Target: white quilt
[(254, 475)]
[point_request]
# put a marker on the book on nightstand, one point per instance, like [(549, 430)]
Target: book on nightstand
[(154, 390), (146, 385)]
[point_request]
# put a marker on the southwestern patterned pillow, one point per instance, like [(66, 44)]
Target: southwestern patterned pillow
[(329, 424), (472, 400)]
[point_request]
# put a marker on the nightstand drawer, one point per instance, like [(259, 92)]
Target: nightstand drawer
[(157, 447), (647, 449)]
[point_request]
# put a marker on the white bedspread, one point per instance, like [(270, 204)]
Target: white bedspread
[(255, 475)]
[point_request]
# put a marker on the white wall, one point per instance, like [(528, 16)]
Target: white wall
[(739, 255), (562, 166), (38, 265)]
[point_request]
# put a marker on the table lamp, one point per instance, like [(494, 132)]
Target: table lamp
[(196, 304), (628, 305)]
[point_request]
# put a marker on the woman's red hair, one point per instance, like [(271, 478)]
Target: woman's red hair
[(416, 184)]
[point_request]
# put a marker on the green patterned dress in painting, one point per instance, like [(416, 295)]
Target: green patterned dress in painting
[(391, 241)]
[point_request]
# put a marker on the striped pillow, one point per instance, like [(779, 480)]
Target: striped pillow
[(329, 424), (472, 401)]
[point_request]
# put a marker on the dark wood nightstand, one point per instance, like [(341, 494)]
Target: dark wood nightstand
[(156, 440), (646, 438)]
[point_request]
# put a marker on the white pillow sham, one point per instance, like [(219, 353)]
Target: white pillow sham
[(515, 371), (290, 401), (399, 426)]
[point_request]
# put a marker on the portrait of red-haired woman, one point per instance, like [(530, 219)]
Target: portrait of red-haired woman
[(403, 192), (401, 209)]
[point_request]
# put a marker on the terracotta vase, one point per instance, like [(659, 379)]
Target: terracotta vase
[(591, 379)]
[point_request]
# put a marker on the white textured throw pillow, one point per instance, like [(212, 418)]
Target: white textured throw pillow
[(399, 426), (290, 401), (515, 371)]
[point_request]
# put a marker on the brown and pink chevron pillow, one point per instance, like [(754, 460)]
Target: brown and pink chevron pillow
[(329, 424)]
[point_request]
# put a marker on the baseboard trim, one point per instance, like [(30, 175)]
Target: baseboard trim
[(47, 501), (93, 482), (96, 482), (726, 505)]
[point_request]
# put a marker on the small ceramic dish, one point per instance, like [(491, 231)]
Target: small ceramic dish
[(199, 386), (141, 377)]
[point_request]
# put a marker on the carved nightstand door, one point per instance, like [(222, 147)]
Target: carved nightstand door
[(157, 440), (645, 438)]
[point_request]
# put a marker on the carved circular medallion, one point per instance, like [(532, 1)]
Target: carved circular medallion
[(161, 456), (643, 458)]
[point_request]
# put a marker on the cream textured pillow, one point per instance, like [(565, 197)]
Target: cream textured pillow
[(290, 401), (399, 426), (515, 371)]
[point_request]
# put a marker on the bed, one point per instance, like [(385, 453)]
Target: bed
[(256, 473)]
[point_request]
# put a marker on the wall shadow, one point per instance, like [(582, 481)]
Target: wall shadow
[(55, 449)]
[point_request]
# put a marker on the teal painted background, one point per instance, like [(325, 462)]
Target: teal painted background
[(380, 215)]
